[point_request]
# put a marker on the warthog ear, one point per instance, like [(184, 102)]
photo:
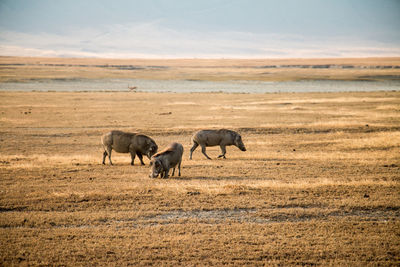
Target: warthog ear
[(157, 164)]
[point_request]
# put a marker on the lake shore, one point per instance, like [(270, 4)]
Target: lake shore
[(185, 86)]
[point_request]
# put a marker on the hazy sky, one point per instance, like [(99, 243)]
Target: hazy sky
[(206, 28)]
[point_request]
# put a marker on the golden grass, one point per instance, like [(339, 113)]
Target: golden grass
[(319, 184)]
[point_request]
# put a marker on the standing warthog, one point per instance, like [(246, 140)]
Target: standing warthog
[(220, 138), (170, 157), (133, 143)]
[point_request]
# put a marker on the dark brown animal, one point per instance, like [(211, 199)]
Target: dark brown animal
[(170, 157), (133, 143), (221, 138)]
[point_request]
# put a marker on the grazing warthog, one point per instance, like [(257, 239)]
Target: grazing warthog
[(220, 138), (133, 143), (170, 157)]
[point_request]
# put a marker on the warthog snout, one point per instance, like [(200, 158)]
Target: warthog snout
[(153, 175), (156, 168), (239, 143)]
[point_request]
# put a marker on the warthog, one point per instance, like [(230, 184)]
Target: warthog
[(220, 138), (170, 157), (133, 143)]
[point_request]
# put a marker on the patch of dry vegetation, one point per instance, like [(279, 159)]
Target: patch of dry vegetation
[(319, 184)]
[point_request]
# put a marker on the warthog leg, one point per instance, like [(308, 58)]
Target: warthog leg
[(203, 150), (223, 151), (105, 155), (133, 154), (164, 173), (140, 156), (195, 145), (179, 169)]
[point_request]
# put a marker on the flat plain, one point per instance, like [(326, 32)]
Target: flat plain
[(318, 184), (20, 69)]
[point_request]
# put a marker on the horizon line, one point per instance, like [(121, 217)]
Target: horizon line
[(200, 58)]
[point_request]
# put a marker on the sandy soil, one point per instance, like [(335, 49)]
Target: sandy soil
[(318, 184)]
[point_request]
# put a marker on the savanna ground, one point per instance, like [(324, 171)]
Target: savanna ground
[(318, 185)]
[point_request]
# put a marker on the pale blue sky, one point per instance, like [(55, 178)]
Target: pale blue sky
[(207, 28)]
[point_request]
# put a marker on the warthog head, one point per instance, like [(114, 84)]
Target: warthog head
[(156, 168), (239, 143), (152, 150)]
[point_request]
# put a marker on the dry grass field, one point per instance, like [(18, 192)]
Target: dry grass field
[(318, 184), (16, 69)]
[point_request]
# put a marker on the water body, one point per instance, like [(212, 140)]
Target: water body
[(193, 86)]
